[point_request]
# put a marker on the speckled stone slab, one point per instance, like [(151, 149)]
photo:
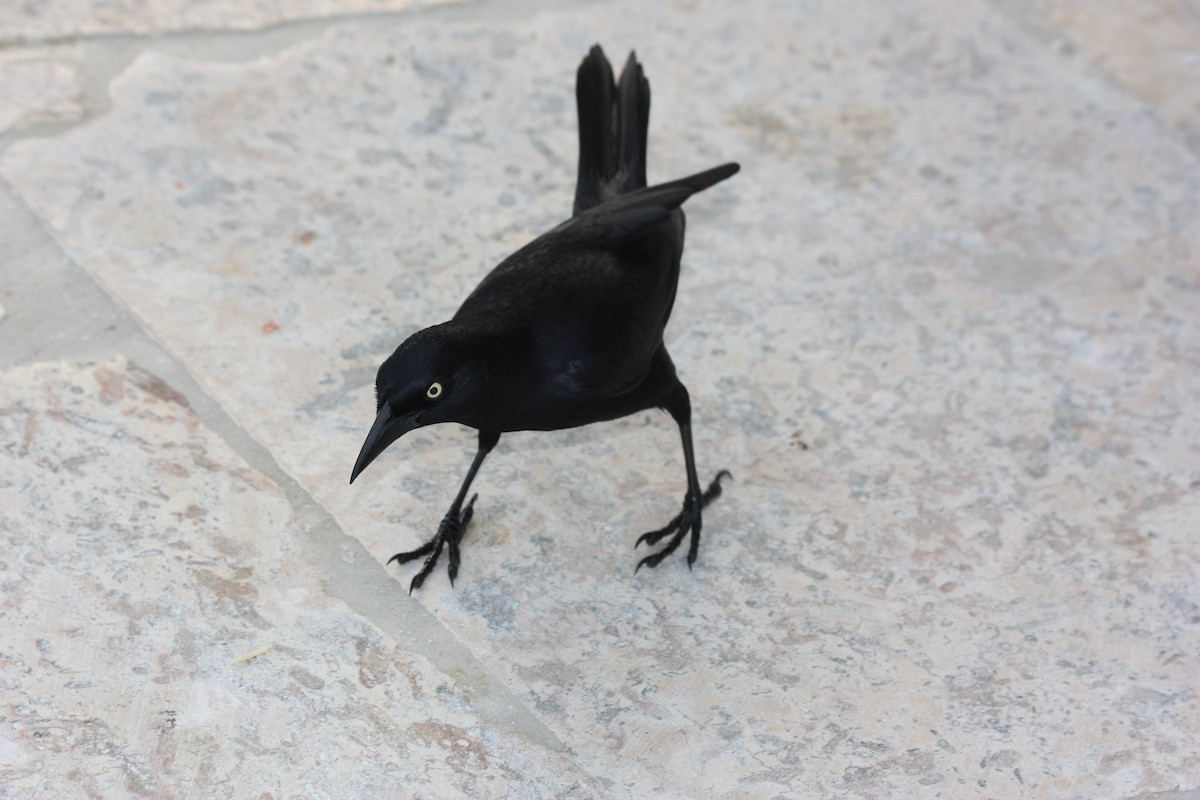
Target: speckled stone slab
[(159, 636), (942, 328), (57, 19)]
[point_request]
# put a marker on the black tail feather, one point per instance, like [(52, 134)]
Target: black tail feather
[(633, 94), (613, 123)]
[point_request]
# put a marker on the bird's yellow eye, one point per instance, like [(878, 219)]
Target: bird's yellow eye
[(434, 391)]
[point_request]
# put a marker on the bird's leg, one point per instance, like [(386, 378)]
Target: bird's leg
[(688, 520), (453, 525)]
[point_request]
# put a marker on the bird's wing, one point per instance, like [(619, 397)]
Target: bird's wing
[(628, 216), (593, 295)]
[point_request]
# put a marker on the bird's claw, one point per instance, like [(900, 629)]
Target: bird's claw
[(687, 520), (449, 534)]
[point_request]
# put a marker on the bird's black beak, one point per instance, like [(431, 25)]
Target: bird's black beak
[(388, 428)]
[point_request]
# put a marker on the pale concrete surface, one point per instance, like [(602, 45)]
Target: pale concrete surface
[(165, 636), (942, 328)]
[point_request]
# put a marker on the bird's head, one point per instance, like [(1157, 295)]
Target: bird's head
[(426, 381)]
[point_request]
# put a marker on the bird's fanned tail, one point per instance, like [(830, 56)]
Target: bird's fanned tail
[(614, 118)]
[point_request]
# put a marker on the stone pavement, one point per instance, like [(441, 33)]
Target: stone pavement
[(944, 329)]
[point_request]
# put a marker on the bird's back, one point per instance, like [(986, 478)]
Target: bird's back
[(590, 314)]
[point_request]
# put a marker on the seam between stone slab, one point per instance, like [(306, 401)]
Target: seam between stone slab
[(1178, 793), (365, 587), (107, 56), (205, 31)]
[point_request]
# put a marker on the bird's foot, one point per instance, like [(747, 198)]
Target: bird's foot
[(686, 520), (449, 533)]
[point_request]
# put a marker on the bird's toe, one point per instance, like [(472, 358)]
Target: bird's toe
[(411, 555), (686, 523), (449, 535)]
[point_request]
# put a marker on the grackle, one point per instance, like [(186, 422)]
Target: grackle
[(568, 330)]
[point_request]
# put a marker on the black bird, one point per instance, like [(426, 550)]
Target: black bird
[(568, 330)]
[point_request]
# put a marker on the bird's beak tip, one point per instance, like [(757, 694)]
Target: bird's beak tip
[(387, 429), (358, 468)]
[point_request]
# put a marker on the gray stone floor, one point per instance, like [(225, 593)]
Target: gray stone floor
[(944, 329)]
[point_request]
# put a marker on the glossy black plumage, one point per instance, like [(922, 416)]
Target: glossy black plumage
[(568, 330)]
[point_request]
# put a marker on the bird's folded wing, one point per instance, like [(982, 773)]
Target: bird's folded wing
[(626, 217), (613, 227)]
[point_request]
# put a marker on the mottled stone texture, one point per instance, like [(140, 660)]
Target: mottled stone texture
[(944, 329), (141, 561)]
